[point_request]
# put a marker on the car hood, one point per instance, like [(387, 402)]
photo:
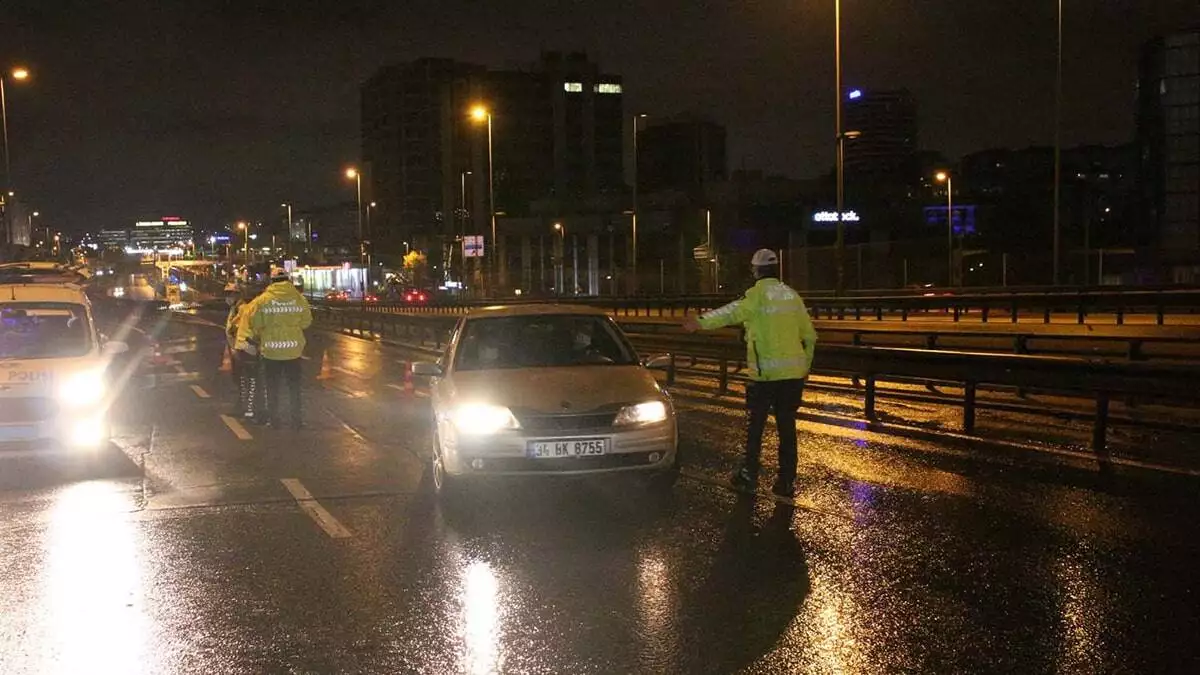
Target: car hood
[(557, 390)]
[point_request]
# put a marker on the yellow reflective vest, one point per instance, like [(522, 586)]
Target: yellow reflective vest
[(780, 338), (277, 320)]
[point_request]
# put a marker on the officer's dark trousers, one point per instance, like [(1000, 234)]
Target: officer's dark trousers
[(782, 398), (276, 373)]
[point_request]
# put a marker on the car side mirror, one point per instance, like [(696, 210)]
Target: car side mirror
[(112, 348), (426, 369), (660, 362)]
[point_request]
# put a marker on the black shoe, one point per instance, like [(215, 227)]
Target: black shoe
[(744, 480), (784, 488)]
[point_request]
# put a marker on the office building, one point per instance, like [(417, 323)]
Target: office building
[(557, 139), (683, 154), (881, 142), (166, 234), (1169, 143)]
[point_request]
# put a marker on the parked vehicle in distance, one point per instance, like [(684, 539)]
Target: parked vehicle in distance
[(415, 296)]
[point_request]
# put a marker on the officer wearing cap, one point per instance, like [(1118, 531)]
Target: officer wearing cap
[(277, 320), (780, 341)]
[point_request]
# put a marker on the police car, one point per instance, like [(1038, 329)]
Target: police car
[(53, 363)]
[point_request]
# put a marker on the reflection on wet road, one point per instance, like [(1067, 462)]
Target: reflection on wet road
[(185, 549)]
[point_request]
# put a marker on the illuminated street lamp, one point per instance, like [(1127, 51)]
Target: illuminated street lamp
[(18, 75), (482, 114), (353, 174), (944, 177), (245, 245)]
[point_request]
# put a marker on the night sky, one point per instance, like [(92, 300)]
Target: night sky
[(217, 111)]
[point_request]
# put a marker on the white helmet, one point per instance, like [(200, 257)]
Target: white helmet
[(764, 257)]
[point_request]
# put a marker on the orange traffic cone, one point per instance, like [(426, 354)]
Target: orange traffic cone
[(326, 373), (226, 362)]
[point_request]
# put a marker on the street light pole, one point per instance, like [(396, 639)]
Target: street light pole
[(841, 152), (245, 228), (1058, 141), (492, 209), (633, 263), (480, 114), (944, 176), (289, 226)]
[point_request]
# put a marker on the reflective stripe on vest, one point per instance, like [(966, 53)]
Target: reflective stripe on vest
[(281, 344)]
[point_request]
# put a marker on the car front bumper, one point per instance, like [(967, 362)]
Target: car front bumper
[(647, 448)]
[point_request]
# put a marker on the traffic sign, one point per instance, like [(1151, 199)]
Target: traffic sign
[(701, 252), (473, 246)]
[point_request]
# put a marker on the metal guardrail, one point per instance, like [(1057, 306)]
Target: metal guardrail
[(986, 307), (1099, 381)]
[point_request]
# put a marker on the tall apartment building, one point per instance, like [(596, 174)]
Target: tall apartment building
[(683, 153), (882, 135), (556, 140), (1169, 141)]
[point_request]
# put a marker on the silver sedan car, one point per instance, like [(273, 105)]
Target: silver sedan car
[(546, 389)]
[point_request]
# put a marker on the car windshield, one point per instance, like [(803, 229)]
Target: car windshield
[(43, 330), (542, 341)]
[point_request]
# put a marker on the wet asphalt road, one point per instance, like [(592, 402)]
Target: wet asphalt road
[(184, 548)]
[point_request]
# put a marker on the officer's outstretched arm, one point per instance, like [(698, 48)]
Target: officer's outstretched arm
[(733, 314)]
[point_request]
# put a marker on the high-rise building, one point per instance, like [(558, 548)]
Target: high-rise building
[(1169, 140), (557, 138), (881, 136), (165, 234), (685, 154)]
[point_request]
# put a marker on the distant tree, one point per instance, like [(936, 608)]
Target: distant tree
[(415, 265)]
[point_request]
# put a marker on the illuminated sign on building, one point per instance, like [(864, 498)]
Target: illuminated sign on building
[(832, 217), (963, 221), (573, 87), (608, 88)]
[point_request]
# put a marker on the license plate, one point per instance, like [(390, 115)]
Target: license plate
[(576, 447)]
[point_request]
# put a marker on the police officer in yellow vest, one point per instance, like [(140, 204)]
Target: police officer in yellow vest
[(780, 341), (278, 319)]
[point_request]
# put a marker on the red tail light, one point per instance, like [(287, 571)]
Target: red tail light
[(421, 297)]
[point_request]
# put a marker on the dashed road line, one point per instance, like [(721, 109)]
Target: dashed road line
[(346, 425), (313, 508), (345, 371), (200, 391), (237, 428)]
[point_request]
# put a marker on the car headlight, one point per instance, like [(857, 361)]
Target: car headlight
[(480, 419), (642, 413), (82, 389)]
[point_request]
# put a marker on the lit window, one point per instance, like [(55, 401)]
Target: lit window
[(573, 86), (608, 88)]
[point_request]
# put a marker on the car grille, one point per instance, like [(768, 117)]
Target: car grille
[(522, 464), (26, 410), (552, 423)]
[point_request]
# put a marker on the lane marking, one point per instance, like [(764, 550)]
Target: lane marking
[(421, 394), (200, 391), (395, 386), (305, 358), (346, 425), (345, 371), (313, 508), (237, 428)]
